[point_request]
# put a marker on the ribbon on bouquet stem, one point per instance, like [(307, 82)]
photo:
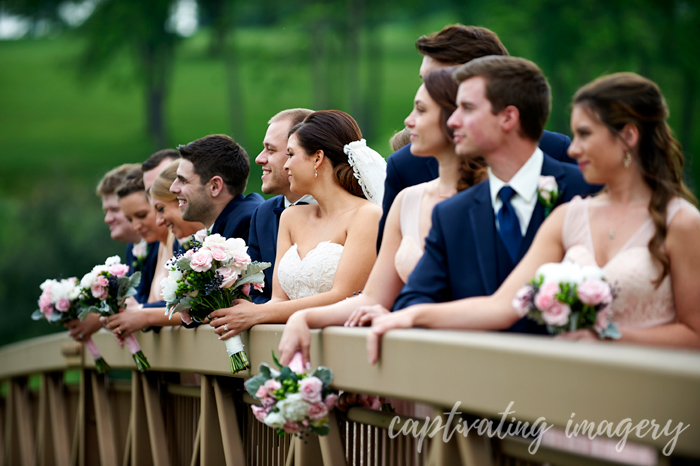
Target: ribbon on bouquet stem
[(135, 349), (100, 364)]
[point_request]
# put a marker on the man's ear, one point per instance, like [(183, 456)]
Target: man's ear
[(216, 186), (510, 118)]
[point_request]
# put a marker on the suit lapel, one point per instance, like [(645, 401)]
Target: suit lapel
[(272, 225), (483, 226)]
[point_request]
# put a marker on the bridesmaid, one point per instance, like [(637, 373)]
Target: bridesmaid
[(641, 230)]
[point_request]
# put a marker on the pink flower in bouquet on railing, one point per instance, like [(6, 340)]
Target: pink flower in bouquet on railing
[(218, 251), (603, 319), (310, 389), (594, 292), (45, 301), (63, 304), (268, 402), (258, 286), (272, 385), (259, 413), (185, 316), (100, 288), (297, 363), (118, 270), (317, 411), (291, 427), (201, 260), (188, 254), (241, 259), (229, 276), (331, 400), (261, 393), (546, 296), (557, 314), (246, 289), (523, 300)]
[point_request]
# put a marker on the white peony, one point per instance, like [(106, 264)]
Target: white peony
[(236, 245), (88, 279), (564, 272), (293, 408), (213, 239), (113, 261), (169, 287), (275, 420), (591, 272)]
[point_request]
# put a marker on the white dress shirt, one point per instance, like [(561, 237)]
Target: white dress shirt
[(524, 183), (308, 198)]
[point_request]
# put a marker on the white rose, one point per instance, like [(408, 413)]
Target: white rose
[(87, 280), (169, 287), (236, 244), (200, 235), (293, 408), (275, 420), (113, 261), (215, 238), (565, 272), (46, 283), (591, 272)]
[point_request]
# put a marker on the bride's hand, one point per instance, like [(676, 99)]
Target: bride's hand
[(365, 315), (233, 320), (296, 338), (381, 325)]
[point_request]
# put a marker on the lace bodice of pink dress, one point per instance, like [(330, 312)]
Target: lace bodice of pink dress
[(411, 247), (631, 272)]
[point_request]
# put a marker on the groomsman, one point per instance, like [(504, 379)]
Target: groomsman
[(211, 178), (262, 240), (119, 230), (453, 45), (480, 234), (155, 164)]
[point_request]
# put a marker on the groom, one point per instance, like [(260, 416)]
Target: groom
[(453, 45), (211, 178), (262, 240), (480, 234)]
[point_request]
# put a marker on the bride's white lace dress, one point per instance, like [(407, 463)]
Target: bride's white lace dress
[(312, 275)]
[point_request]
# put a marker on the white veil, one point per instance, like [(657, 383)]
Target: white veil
[(369, 168)]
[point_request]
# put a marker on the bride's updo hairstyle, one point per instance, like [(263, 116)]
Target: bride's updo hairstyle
[(627, 98), (442, 88), (329, 131), (161, 186)]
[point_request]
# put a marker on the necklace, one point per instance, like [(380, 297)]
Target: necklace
[(611, 231), (443, 196)]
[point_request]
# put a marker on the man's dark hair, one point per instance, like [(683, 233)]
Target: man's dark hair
[(132, 183), (219, 155), (154, 160), (458, 44), (513, 81)]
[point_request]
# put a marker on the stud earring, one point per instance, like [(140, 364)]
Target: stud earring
[(628, 160)]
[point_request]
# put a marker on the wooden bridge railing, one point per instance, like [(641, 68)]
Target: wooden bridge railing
[(189, 410)]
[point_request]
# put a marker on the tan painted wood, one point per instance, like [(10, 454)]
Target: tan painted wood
[(77, 431), (197, 443), (331, 445), (154, 416), (307, 452), (106, 437), (59, 419), (126, 458), (291, 454), (44, 440), (211, 448), (3, 416), (234, 450), (25, 431), (140, 441)]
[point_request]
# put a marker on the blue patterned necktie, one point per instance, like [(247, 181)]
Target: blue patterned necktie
[(509, 226)]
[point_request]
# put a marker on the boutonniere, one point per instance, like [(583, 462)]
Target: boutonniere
[(140, 252), (548, 193)]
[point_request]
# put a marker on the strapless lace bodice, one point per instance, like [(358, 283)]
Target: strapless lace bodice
[(631, 272), (312, 275), (411, 248)]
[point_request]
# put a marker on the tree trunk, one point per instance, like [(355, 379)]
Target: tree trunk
[(355, 25), (234, 92), (375, 79), (157, 64)]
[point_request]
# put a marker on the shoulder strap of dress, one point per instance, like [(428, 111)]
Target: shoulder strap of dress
[(674, 206), (410, 211)]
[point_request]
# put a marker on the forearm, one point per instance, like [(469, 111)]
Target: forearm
[(156, 317), (676, 335), (335, 314), (481, 313), (277, 311)]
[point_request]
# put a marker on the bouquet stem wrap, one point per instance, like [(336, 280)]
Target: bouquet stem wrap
[(236, 353), (101, 365), (135, 349)]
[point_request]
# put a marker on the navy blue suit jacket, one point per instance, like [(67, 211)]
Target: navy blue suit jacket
[(461, 257), (147, 270), (262, 242), (404, 169), (234, 220)]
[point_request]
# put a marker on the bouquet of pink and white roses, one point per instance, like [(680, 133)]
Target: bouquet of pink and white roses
[(104, 291), (566, 297), (59, 304), (210, 275), (291, 400)]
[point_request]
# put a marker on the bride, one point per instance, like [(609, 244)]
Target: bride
[(642, 231), (326, 251)]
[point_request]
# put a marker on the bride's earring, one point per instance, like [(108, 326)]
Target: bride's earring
[(628, 160), (315, 173)]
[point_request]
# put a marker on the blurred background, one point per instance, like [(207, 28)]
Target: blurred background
[(86, 86)]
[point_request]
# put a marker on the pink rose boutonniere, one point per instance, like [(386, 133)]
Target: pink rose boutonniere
[(548, 193)]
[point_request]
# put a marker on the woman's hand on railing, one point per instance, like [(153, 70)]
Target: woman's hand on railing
[(381, 325), (295, 338), (82, 330), (233, 320), (126, 323), (365, 315)]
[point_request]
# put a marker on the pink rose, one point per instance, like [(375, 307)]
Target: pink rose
[(594, 292), (102, 280), (118, 270), (268, 401), (305, 423), (201, 260), (271, 385), (317, 411), (259, 413), (331, 400), (546, 186), (297, 363), (45, 301), (240, 259), (603, 319), (218, 251), (546, 297), (246, 289), (188, 253), (291, 427), (557, 314), (98, 291), (258, 286), (261, 393), (523, 300), (63, 304), (310, 389), (185, 316), (229, 276), (48, 311)]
